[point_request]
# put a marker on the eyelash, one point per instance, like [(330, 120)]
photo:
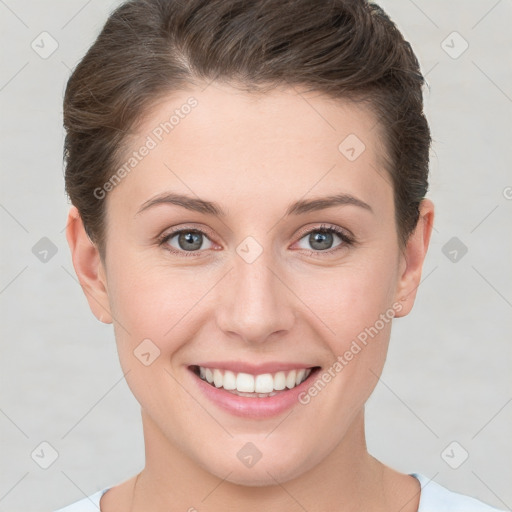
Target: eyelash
[(347, 240)]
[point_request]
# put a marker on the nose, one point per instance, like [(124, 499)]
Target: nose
[(254, 302)]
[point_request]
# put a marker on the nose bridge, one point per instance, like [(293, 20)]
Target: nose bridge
[(254, 303)]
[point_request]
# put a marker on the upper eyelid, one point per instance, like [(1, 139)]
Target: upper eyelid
[(326, 227)]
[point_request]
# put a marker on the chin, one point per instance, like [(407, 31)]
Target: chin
[(263, 477), (268, 471)]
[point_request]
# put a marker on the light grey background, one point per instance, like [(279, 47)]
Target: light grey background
[(448, 372)]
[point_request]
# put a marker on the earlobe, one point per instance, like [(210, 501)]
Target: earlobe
[(413, 258), (88, 267)]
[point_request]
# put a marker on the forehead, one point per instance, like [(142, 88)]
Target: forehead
[(283, 115), (220, 141)]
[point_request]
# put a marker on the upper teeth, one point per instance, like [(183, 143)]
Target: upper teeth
[(245, 382)]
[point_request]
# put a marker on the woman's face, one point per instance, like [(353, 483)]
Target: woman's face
[(253, 286)]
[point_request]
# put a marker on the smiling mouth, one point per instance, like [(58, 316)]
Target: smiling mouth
[(255, 386)]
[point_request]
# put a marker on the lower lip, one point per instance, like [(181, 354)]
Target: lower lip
[(253, 407)]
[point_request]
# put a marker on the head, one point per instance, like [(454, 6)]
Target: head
[(256, 111)]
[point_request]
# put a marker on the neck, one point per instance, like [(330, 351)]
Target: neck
[(348, 476)]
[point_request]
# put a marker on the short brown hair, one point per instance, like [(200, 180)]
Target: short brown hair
[(347, 49)]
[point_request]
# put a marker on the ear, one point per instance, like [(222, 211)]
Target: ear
[(88, 267), (411, 261)]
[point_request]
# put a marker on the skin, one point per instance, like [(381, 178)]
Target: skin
[(254, 155)]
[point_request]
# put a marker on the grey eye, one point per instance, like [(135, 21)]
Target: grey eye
[(320, 240), (188, 240)]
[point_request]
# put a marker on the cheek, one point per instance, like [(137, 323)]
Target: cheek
[(355, 306), (150, 306), (149, 300), (350, 298)]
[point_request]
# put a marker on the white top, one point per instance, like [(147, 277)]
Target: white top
[(433, 498)]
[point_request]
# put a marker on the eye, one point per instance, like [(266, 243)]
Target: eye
[(321, 239), (188, 241)]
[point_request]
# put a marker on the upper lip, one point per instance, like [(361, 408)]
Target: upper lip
[(254, 369)]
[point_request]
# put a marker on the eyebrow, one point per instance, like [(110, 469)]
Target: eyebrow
[(210, 208)]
